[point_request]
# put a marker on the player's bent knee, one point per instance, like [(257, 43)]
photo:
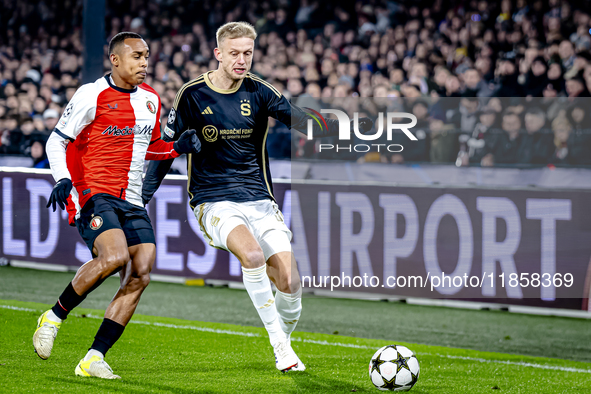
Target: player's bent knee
[(115, 261), (143, 276), (142, 281), (253, 259), (136, 283), (286, 283)]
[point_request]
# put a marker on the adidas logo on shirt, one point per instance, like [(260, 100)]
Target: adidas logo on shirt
[(207, 111)]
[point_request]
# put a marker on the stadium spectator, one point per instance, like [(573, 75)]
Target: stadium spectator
[(580, 138), (484, 136), (566, 52), (575, 87), (474, 85), (416, 150), (537, 144), (507, 78), (466, 117), (555, 76), (11, 137), (537, 78), (50, 118), (507, 150), (562, 129), (443, 141), (38, 154)]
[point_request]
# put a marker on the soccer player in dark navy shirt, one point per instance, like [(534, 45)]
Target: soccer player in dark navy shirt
[(230, 185)]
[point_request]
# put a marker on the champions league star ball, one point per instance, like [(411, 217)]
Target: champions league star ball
[(394, 368)]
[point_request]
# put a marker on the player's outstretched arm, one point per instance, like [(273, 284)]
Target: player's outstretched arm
[(156, 172), (297, 118), (56, 154), (329, 127), (79, 113), (188, 142)]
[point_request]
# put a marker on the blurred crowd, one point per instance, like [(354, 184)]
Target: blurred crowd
[(490, 131), (448, 62)]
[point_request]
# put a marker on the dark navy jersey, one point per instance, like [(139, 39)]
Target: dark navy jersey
[(232, 125)]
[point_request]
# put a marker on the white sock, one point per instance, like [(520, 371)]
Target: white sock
[(53, 317), (91, 353), (258, 286), (289, 309)]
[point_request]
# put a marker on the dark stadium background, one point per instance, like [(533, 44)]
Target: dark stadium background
[(327, 49)]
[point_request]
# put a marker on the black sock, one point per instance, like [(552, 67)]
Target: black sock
[(107, 335), (67, 301)]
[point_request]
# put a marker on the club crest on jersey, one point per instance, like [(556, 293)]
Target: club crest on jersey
[(171, 116), (151, 106), (96, 223), (245, 107), (210, 133)]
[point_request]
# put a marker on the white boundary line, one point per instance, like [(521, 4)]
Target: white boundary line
[(325, 343), (474, 305), (518, 363)]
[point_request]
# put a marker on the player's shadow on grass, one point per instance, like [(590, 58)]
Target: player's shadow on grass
[(310, 383), (125, 386)]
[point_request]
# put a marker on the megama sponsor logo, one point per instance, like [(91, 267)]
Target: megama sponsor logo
[(137, 129)]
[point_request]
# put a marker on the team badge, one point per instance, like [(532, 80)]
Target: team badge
[(245, 107), (210, 133), (168, 132), (96, 223), (67, 112), (171, 116), (151, 106)]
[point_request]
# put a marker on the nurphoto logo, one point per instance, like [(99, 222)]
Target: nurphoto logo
[(392, 123)]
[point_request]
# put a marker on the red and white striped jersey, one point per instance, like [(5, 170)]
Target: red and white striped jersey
[(112, 131)]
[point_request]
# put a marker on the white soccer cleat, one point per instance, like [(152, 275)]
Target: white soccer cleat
[(285, 357), (96, 367), (45, 335), (300, 366)]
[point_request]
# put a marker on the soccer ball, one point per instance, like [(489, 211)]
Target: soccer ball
[(394, 368)]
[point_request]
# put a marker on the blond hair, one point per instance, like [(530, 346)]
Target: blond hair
[(235, 30), (561, 122)]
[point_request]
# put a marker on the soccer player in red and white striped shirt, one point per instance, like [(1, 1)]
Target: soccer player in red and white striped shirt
[(97, 153)]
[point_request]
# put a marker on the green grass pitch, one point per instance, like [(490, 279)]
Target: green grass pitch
[(180, 342)]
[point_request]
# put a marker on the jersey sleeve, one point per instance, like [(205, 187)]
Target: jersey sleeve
[(291, 115), (156, 134), (175, 126), (177, 118), (79, 112), (160, 149)]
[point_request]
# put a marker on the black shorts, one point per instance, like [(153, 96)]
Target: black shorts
[(105, 212)]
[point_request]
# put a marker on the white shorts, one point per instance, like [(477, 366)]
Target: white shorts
[(262, 218)]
